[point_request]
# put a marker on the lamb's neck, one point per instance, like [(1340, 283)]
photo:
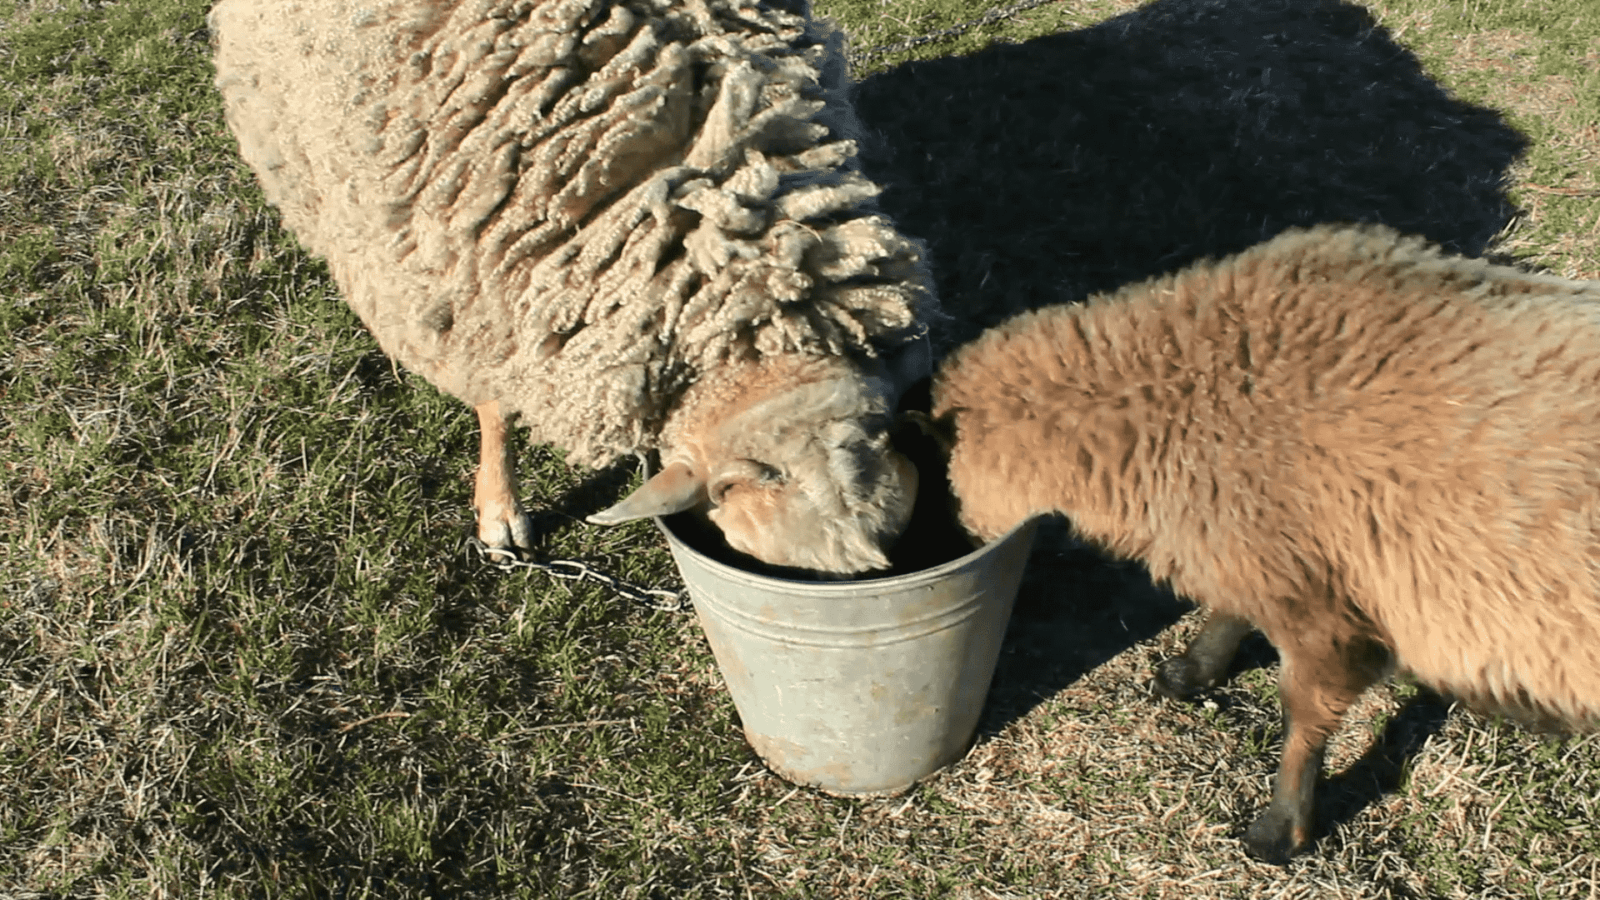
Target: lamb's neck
[(1105, 481)]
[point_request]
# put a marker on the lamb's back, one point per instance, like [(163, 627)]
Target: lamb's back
[(1452, 468)]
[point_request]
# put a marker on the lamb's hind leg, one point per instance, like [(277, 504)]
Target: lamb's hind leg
[(1206, 660), (502, 523), (1318, 681)]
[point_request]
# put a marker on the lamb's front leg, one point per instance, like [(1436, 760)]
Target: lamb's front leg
[(1321, 676), (502, 523)]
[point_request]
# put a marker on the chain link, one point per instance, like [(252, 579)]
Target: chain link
[(578, 570)]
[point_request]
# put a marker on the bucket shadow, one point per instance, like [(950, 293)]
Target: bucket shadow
[(1046, 171)]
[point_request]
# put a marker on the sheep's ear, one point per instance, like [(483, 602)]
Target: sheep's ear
[(673, 490)]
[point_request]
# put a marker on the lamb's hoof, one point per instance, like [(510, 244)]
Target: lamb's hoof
[(509, 532), (1274, 839), (1179, 678)]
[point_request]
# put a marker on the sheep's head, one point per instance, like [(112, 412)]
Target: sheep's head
[(791, 459)]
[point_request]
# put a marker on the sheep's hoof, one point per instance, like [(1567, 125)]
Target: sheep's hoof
[(511, 531), (1274, 838), (1180, 678)]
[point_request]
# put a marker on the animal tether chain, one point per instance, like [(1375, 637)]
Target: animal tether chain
[(578, 570)]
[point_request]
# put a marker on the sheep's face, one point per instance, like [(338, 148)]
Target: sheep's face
[(792, 461), (831, 502)]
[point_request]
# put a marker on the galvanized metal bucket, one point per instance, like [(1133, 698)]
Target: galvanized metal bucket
[(858, 687)]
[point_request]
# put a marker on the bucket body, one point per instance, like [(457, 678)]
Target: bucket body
[(858, 687)]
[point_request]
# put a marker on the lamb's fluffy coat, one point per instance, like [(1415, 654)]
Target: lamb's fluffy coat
[(574, 208), (1356, 444)]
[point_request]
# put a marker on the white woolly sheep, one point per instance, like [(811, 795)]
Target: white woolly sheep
[(632, 225), (1370, 451)]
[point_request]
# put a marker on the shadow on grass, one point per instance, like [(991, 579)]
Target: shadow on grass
[(596, 490), (1076, 610), (1046, 171), (1381, 769)]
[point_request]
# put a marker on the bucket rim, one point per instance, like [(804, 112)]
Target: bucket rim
[(855, 587)]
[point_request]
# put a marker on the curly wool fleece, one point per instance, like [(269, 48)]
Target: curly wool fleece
[(574, 207)]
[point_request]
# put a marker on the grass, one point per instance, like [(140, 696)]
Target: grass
[(246, 652)]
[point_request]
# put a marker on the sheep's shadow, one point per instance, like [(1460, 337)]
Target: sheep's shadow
[(1382, 768), (1045, 171), (592, 492), (1076, 609)]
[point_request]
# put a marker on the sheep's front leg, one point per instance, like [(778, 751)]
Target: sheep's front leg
[(1206, 660), (502, 523), (1317, 683)]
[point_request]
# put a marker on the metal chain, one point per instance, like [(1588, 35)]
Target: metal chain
[(857, 60), (577, 570)]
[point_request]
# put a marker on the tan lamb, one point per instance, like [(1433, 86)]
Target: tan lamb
[(1376, 454), (630, 225)]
